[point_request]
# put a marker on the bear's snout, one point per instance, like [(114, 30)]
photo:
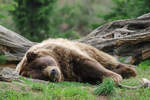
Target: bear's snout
[(53, 73)]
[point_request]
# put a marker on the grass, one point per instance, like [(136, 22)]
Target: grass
[(105, 88), (144, 65), (52, 91), (76, 91), (137, 94)]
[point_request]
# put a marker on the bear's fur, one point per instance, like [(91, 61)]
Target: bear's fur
[(64, 60)]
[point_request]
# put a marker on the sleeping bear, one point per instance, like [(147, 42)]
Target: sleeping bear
[(58, 60)]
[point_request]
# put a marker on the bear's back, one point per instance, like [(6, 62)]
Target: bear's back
[(80, 48), (52, 44)]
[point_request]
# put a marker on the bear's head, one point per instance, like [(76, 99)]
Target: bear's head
[(41, 67)]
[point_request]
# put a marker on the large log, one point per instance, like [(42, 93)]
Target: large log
[(13, 45), (123, 38)]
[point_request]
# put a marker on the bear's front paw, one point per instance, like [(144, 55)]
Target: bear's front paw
[(116, 77), (125, 70)]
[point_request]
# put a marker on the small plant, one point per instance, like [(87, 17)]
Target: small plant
[(105, 88), (144, 64)]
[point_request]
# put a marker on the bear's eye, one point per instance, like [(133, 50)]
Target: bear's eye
[(117, 67), (41, 67), (37, 67)]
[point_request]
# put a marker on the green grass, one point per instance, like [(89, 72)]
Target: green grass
[(105, 88), (52, 91), (144, 65), (137, 94), (76, 91)]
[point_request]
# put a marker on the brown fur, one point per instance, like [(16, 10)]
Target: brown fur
[(76, 61)]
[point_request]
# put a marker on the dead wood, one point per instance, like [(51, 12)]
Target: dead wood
[(9, 75), (4, 79), (123, 38), (13, 45)]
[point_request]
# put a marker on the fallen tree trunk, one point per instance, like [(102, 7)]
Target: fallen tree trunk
[(125, 38), (13, 45)]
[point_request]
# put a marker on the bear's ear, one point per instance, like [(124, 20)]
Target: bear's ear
[(31, 56)]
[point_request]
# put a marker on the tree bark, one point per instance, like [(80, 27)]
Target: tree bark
[(123, 38)]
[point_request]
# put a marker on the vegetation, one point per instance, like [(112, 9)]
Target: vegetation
[(145, 64), (48, 19), (41, 19), (51, 91), (5, 18), (125, 9), (32, 17), (69, 19), (106, 88), (137, 94), (5, 8)]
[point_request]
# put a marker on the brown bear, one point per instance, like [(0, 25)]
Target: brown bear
[(64, 60)]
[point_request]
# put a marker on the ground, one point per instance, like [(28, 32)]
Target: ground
[(28, 90)]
